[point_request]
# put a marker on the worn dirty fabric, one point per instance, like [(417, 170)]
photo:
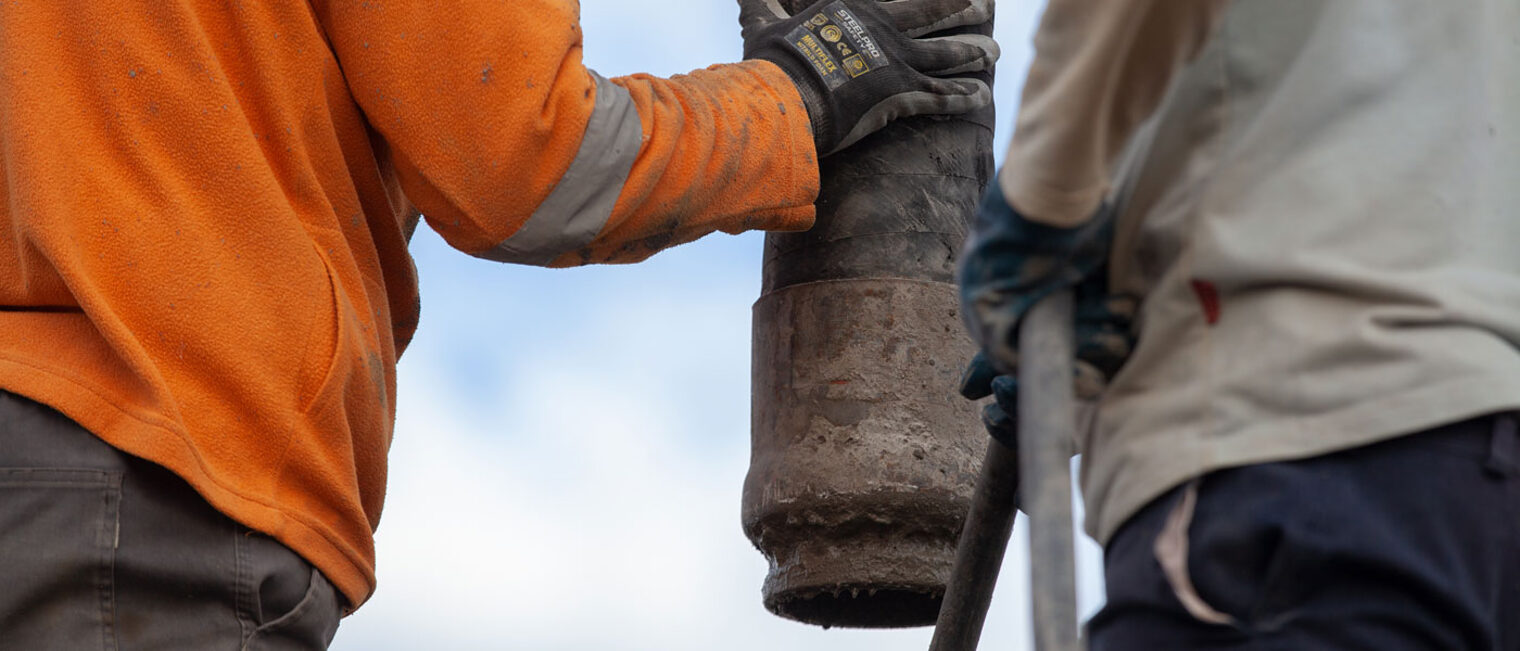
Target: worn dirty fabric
[(1407, 544), (103, 550), (207, 207), (1100, 70), (1319, 218)]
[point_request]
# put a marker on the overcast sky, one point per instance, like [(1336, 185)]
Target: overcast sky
[(571, 444)]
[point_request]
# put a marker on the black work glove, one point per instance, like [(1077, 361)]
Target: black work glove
[(982, 379), (859, 64), (1011, 263)]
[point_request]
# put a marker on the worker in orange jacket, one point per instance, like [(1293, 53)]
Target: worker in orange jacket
[(204, 277)]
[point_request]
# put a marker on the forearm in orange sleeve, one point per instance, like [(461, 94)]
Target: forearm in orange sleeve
[(516, 152), (728, 148)]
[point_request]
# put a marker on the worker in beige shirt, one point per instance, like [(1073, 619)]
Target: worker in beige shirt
[(1307, 439)]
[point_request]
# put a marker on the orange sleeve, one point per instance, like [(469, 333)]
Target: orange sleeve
[(516, 152)]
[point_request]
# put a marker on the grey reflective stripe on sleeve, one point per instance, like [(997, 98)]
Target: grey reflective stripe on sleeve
[(579, 206)]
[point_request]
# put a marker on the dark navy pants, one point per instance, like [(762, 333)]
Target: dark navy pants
[(1413, 543), (103, 551)]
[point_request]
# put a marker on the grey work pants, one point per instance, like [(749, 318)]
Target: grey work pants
[(101, 550)]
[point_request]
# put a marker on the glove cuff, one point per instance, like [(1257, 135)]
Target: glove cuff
[(813, 97)]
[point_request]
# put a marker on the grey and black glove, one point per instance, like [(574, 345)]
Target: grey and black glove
[(859, 64)]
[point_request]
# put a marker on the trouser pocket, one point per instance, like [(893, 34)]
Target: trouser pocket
[(60, 531), (1404, 544), (1254, 558), (286, 603)]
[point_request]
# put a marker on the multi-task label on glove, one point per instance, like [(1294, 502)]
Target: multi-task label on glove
[(837, 45)]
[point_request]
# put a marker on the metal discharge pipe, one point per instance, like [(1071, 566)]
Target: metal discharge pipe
[(863, 458)]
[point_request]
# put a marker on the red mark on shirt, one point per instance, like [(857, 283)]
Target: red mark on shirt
[(1208, 297)]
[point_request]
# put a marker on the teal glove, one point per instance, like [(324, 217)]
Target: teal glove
[(859, 64), (1009, 265), (982, 379)]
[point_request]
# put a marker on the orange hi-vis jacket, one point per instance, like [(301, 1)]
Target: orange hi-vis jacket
[(207, 204)]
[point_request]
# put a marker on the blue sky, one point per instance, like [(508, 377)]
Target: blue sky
[(571, 444)]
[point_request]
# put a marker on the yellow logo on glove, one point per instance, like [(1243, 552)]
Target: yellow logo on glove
[(837, 46)]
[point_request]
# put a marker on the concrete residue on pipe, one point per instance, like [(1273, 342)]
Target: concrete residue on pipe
[(863, 456)]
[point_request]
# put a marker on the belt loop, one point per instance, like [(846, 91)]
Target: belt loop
[(1502, 446)]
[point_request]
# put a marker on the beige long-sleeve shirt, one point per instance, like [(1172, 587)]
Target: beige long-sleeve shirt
[(1319, 205)]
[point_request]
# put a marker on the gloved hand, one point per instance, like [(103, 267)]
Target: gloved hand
[(982, 379), (860, 64), (1009, 265)]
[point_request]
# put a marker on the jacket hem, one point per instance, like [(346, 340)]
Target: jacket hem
[(141, 437), (1138, 477)]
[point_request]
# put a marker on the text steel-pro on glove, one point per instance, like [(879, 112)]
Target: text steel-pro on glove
[(859, 64)]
